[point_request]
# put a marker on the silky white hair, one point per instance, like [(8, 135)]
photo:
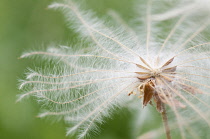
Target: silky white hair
[(83, 86)]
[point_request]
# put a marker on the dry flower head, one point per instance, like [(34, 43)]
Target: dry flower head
[(122, 62)]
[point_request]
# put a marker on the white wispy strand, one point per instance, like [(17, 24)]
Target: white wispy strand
[(84, 86), (193, 7)]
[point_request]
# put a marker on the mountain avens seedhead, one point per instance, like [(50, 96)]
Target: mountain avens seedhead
[(161, 59)]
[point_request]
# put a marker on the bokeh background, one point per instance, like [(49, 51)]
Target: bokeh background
[(29, 25)]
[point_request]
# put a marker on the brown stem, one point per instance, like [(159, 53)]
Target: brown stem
[(165, 122)]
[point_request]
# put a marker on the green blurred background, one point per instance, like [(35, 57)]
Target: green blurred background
[(28, 25)]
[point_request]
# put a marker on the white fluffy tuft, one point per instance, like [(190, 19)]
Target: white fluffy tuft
[(86, 85)]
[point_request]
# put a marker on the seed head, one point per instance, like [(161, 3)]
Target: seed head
[(162, 64)]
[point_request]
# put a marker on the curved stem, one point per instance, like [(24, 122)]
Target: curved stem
[(165, 122)]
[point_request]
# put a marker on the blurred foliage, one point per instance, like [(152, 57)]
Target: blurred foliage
[(26, 25)]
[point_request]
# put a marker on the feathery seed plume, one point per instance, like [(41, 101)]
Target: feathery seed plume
[(163, 62)]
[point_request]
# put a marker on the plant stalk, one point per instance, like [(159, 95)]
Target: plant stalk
[(165, 122)]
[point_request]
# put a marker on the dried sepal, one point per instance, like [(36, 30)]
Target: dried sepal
[(171, 69), (168, 62), (148, 92), (142, 67), (159, 103)]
